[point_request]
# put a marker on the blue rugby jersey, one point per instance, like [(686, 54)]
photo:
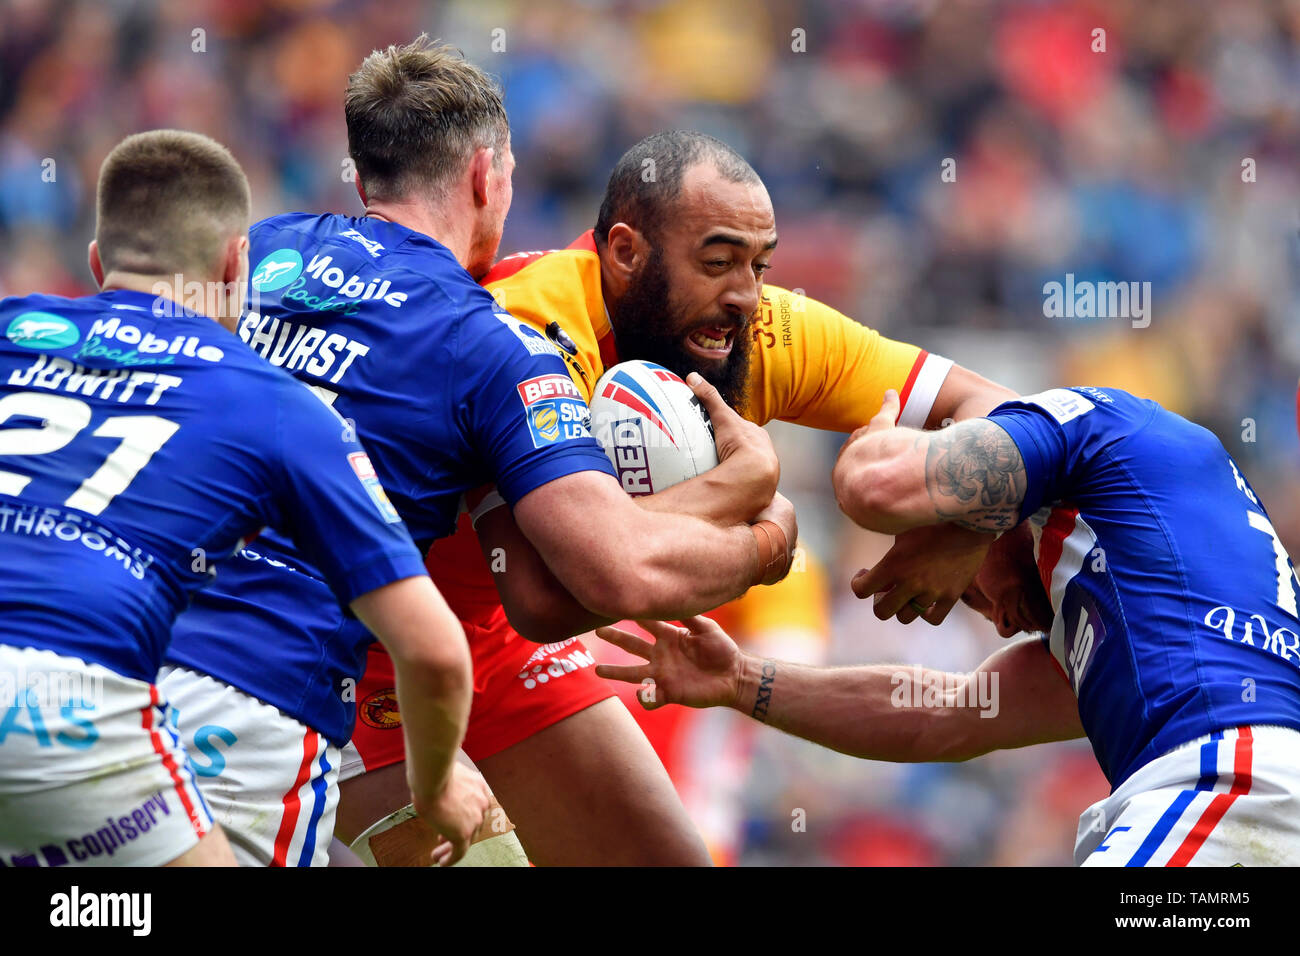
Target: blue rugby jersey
[(139, 444), (1175, 602), (446, 389)]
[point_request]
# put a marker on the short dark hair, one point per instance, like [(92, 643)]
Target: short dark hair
[(415, 115), (167, 202), (647, 179)]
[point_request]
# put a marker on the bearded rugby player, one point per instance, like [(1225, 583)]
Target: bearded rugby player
[(672, 273)]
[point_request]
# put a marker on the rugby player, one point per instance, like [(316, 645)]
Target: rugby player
[(141, 442), (673, 273), (449, 392), (1167, 607)]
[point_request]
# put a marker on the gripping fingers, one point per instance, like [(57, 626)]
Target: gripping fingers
[(459, 848), (708, 395), (909, 613), (442, 853), (895, 601), (868, 581)]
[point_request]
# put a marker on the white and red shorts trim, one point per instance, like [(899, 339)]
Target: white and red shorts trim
[(1230, 797), (271, 781), (90, 773)]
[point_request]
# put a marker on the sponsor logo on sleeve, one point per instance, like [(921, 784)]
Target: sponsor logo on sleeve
[(277, 270), (532, 340), (42, 330), (360, 463), (1061, 403), (372, 247), (554, 409)]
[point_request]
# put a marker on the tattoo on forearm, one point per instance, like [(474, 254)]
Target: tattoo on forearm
[(975, 476), (764, 697)]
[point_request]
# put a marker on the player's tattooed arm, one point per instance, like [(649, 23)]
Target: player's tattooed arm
[(975, 476), (892, 479)]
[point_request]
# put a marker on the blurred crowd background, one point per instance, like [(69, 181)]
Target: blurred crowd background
[(1167, 155)]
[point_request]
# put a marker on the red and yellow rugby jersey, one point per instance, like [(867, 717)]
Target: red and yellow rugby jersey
[(811, 365)]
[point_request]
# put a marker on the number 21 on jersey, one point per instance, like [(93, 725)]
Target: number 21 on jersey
[(58, 420)]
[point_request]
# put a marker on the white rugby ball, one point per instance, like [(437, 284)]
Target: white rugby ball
[(654, 429)]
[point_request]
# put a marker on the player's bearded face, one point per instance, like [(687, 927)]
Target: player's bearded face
[(651, 324)]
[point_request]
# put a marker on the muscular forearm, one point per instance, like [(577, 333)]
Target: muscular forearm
[(431, 662), (685, 566), (894, 479), (552, 614), (621, 561), (910, 714), (879, 481), (435, 705), (852, 710), (665, 573)]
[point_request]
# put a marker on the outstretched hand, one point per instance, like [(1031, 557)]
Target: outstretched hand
[(697, 664)]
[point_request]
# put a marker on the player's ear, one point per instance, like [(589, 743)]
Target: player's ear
[(234, 280), (361, 191), (480, 171), (627, 250), (96, 267), (235, 267)]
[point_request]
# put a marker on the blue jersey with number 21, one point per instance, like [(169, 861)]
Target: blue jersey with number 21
[(138, 447), (1175, 602)]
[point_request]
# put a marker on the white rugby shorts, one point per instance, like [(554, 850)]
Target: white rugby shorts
[(271, 781), (90, 774), (1228, 798)]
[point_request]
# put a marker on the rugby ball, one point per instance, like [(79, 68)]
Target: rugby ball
[(652, 427)]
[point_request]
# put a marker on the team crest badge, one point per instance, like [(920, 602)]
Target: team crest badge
[(379, 710)]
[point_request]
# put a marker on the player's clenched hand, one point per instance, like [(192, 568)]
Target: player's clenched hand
[(697, 665), (456, 813), (931, 566), (754, 457)]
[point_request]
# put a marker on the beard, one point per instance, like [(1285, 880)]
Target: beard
[(648, 326)]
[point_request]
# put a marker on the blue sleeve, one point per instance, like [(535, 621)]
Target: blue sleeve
[(329, 501), (524, 415), (1050, 430)]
